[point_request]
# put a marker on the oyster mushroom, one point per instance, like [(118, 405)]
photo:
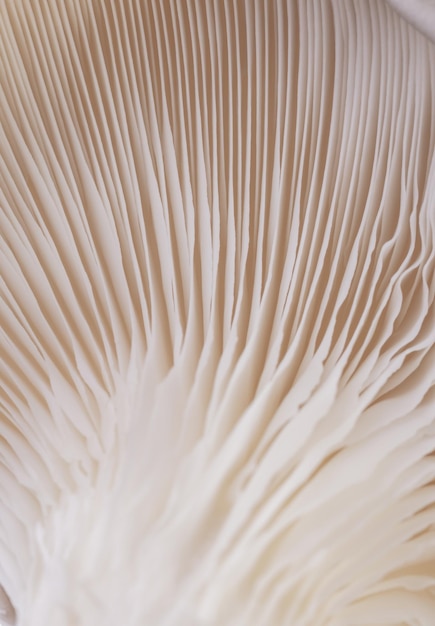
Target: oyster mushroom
[(217, 314)]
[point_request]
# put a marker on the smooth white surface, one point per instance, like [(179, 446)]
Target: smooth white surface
[(420, 13)]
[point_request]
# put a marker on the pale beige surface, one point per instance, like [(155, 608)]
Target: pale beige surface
[(420, 13), (217, 329)]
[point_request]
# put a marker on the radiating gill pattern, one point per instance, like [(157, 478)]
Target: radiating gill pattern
[(217, 363)]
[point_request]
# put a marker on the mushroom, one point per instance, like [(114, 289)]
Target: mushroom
[(421, 13), (217, 399)]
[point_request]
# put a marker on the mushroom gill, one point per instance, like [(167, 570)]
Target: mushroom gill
[(217, 364)]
